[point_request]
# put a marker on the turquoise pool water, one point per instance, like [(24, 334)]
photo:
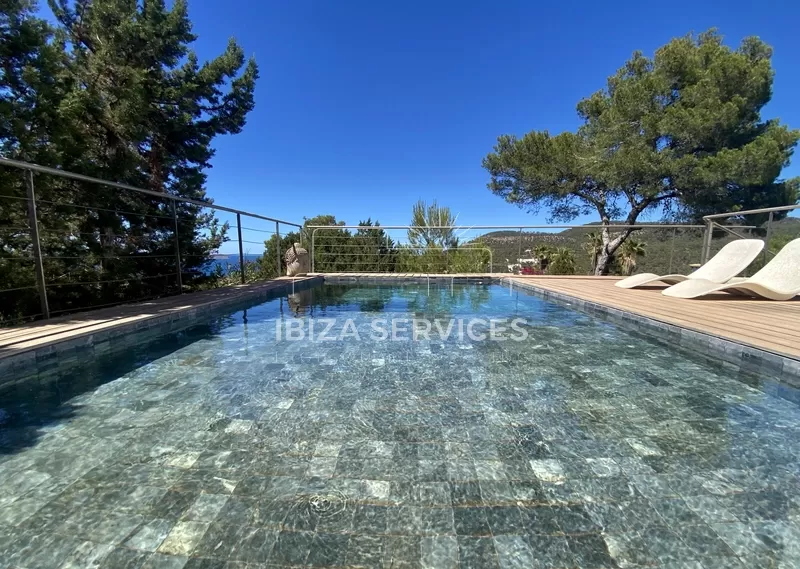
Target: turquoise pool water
[(232, 444)]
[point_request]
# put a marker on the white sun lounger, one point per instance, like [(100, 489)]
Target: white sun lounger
[(731, 260), (778, 280)]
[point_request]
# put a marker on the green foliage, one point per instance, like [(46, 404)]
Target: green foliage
[(430, 223), (544, 254), (422, 260), (553, 260), (370, 249), (112, 90), (627, 255), (330, 244), (469, 259), (680, 133), (442, 261), (433, 248), (232, 275), (593, 246), (562, 262)]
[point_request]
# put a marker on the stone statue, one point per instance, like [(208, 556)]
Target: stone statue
[(297, 262)]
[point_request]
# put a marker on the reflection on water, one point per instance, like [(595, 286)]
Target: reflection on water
[(584, 446)]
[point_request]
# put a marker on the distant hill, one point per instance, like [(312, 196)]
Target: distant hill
[(512, 244), (667, 250), (791, 224)]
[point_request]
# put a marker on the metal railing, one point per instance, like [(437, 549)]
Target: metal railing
[(162, 214), (336, 248), (711, 225), (28, 239)]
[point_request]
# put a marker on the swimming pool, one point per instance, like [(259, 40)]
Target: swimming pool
[(400, 426)]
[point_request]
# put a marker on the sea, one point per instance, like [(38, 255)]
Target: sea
[(228, 261)]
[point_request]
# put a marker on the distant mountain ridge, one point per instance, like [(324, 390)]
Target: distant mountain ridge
[(667, 249)]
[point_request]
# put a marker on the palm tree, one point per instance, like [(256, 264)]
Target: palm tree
[(562, 262), (542, 254), (427, 222), (628, 252)]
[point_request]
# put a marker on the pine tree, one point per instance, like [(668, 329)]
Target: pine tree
[(31, 59), (680, 133), (152, 112), (373, 249), (115, 92)]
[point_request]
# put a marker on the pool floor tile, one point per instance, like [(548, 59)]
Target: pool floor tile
[(159, 561), (551, 552), (328, 550), (477, 552), (183, 538), (291, 548), (471, 521), (590, 551), (439, 552), (540, 520), (125, 558), (253, 546), (364, 551), (401, 551), (150, 535)]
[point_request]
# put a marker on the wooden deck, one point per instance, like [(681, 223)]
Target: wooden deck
[(18, 339), (764, 324)]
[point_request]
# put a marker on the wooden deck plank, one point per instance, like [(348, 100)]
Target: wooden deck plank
[(729, 311), (724, 314), (769, 325), (724, 309)]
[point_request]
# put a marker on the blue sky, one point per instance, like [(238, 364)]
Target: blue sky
[(364, 106)]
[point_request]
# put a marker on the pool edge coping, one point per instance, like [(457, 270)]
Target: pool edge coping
[(166, 320), (707, 345)]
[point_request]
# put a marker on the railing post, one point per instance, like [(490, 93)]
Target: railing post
[(313, 234), (33, 221), (519, 248), (241, 251), (672, 249), (278, 245), (177, 248), (769, 236), (707, 241)]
